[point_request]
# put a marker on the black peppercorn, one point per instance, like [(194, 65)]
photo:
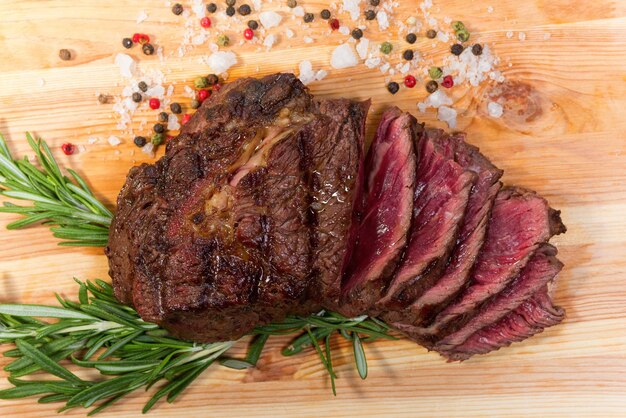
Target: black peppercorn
[(456, 49), (408, 54), (158, 128), (140, 141), (244, 10), (142, 86), (325, 14), (163, 117), (136, 97), (212, 79), (432, 86), (292, 3), (211, 7), (374, 2), (127, 42), (253, 24), (195, 104), (177, 9), (431, 34), (357, 33), (393, 87), (308, 17), (198, 218), (230, 2), (65, 54), (477, 49), (370, 15), (103, 98), (230, 11), (411, 38), (176, 109), (147, 49)]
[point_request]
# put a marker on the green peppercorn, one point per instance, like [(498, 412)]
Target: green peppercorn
[(136, 97), (435, 73), (393, 87), (386, 47), (201, 82), (432, 86), (223, 40), (308, 17), (477, 49), (431, 34), (457, 49), (458, 26), (411, 38), (140, 141), (244, 10), (211, 7), (408, 54), (253, 24), (230, 2), (65, 54), (357, 33), (212, 79), (147, 49), (230, 11), (127, 42), (194, 104), (163, 117), (463, 36), (176, 108), (370, 15), (158, 128), (157, 139), (374, 2), (142, 86), (177, 9), (292, 3), (325, 14)]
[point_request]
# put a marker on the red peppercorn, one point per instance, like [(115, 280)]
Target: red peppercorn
[(185, 118), (217, 87), (447, 81), (67, 148), (141, 38), (410, 81), (205, 22), (248, 34), (154, 103), (203, 95), (334, 24)]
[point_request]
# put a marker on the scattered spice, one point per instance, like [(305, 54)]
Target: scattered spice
[(393, 87), (230, 11), (325, 14), (194, 104), (201, 82), (457, 49), (370, 15), (248, 34), (463, 36), (127, 42), (410, 81), (67, 148), (147, 49), (203, 95), (448, 81), (223, 40), (244, 10), (141, 38), (374, 2), (408, 54), (157, 139), (65, 54), (142, 86), (477, 49), (230, 2), (140, 141), (154, 103), (357, 33), (431, 34), (435, 73), (386, 47), (334, 24), (158, 128), (211, 7), (212, 79), (292, 3), (103, 98), (432, 86), (176, 108), (177, 9), (253, 24), (136, 97), (205, 22), (411, 38), (457, 26), (163, 116), (308, 17), (185, 118)]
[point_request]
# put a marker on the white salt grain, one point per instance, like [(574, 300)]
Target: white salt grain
[(306, 74), (490, 9), (352, 7), (92, 140), (343, 57), (298, 11), (198, 8), (382, 19), (495, 109), (289, 33), (221, 61), (172, 123), (114, 141), (142, 16), (270, 19), (362, 47), (321, 74), (126, 63), (269, 41), (372, 62), (509, 34), (308, 40), (344, 30), (448, 115), (148, 148), (522, 36)]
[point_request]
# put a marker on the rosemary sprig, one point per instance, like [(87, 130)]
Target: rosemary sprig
[(67, 205)]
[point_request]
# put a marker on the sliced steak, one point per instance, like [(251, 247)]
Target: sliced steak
[(384, 212), (441, 193), (530, 318)]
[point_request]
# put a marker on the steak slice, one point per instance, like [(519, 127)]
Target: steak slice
[(530, 318), (442, 190), (384, 212)]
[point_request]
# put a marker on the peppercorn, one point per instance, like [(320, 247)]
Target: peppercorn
[(212, 79), (448, 81), (163, 117), (253, 24), (127, 42), (201, 82), (292, 3), (386, 47), (244, 10), (458, 26), (194, 104), (374, 2), (211, 7), (370, 15), (147, 49), (457, 49), (463, 35), (431, 34), (177, 9), (334, 24), (141, 38), (477, 49), (154, 103), (65, 54), (408, 54), (103, 98), (176, 108), (308, 17), (203, 95), (411, 38), (142, 86), (157, 139), (67, 148), (205, 22), (393, 87), (158, 128), (140, 141), (410, 81), (230, 2), (136, 97), (325, 14), (185, 118), (223, 40), (248, 33), (357, 33), (198, 218), (432, 86), (435, 72), (230, 11)]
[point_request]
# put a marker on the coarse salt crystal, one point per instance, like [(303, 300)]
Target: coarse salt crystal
[(411, 20), (405, 68), (270, 19), (142, 16), (343, 57), (157, 91), (308, 40), (172, 123), (490, 9), (509, 34), (442, 36), (353, 7), (372, 62), (81, 149), (298, 11), (321, 74), (41, 82), (362, 47), (522, 36), (148, 148), (382, 19), (114, 141), (289, 33), (170, 90), (344, 30), (448, 115), (269, 41), (221, 61), (126, 63), (257, 5), (198, 8), (495, 109), (189, 92), (383, 68), (92, 140), (306, 74)]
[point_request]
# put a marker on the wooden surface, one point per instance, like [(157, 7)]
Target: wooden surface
[(563, 135)]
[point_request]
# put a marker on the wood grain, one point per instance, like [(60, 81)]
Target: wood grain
[(563, 135)]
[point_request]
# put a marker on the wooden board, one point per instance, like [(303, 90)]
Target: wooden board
[(563, 134)]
